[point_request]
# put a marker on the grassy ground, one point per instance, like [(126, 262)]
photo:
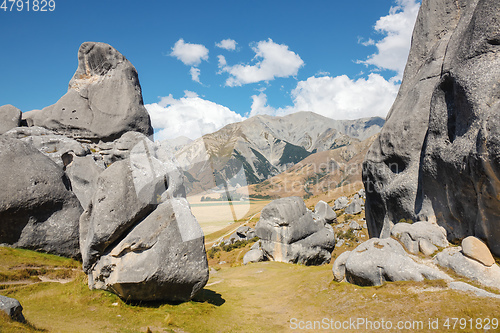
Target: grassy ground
[(259, 297)]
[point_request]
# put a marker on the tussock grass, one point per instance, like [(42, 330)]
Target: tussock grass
[(253, 298)]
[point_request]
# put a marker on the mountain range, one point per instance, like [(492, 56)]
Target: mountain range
[(263, 146)]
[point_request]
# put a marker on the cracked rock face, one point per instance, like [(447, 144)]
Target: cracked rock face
[(138, 237), (38, 211), (104, 98), (437, 157), (289, 233)]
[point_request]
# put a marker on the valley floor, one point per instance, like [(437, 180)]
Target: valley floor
[(267, 296)]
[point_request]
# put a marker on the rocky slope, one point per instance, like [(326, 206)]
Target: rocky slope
[(437, 156), (88, 182), (264, 146)]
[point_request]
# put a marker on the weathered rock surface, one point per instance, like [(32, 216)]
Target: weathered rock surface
[(454, 259), (104, 98), (323, 211), (289, 233), (10, 117), (37, 208), (418, 234), (12, 308), (254, 255), (354, 207), (474, 248), (436, 158), (161, 258), (138, 236), (340, 203), (49, 143), (378, 260)]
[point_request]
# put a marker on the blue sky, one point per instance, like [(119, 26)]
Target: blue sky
[(203, 64)]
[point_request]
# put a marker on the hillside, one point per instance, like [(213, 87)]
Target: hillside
[(319, 173), (263, 146)]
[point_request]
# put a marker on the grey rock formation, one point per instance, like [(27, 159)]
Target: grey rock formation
[(137, 215), (354, 207), (340, 203), (49, 143), (354, 225), (289, 233), (323, 211), (338, 268), (454, 259), (254, 255), (114, 208), (83, 172), (418, 234), (161, 258), (120, 148), (12, 308), (10, 117), (436, 158), (103, 101), (37, 208), (378, 260)]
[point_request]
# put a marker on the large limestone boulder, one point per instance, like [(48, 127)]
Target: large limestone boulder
[(10, 117), (162, 258), (289, 233), (391, 166), (37, 208), (138, 237), (437, 157), (379, 260), (104, 98), (323, 211)]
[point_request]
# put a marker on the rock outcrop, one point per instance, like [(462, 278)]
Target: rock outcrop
[(379, 260), (454, 259), (323, 211), (436, 158), (10, 117), (420, 237), (289, 233), (138, 237), (104, 98), (38, 210)]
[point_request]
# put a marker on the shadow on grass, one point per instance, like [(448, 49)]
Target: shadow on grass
[(204, 296), (209, 296)]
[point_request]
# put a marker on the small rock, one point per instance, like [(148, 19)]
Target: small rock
[(253, 256), (426, 247), (474, 248), (340, 203), (354, 208), (354, 225), (12, 308), (323, 211)]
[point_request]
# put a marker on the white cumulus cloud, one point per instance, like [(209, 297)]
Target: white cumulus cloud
[(336, 97), (227, 44), (189, 116), (344, 98), (195, 74), (189, 54), (397, 26), (273, 60)]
